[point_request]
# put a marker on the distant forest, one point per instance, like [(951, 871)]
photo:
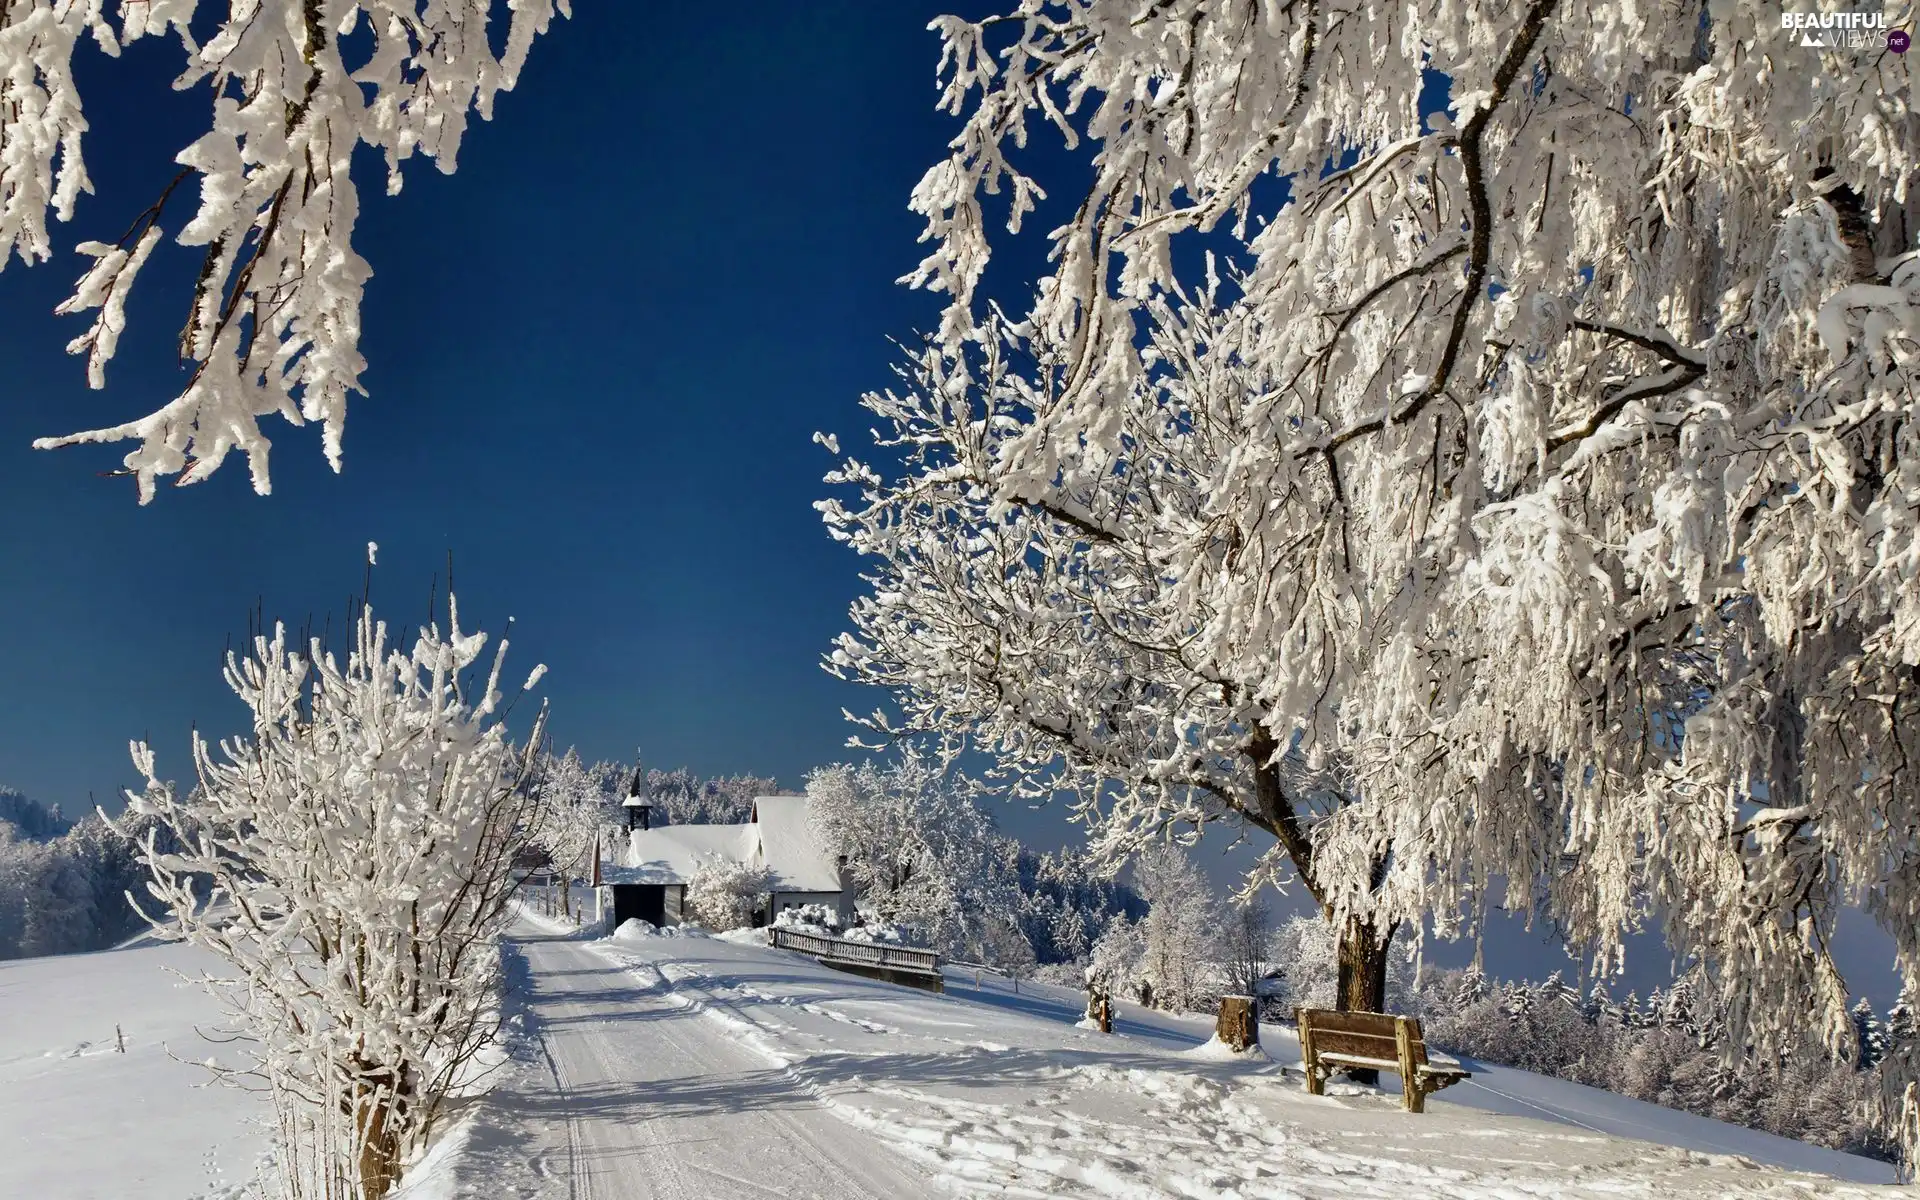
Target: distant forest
[(63, 883)]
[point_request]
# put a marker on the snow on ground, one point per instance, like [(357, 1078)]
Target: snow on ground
[(1493, 1089), (690, 1066), (80, 1120), (714, 1067)]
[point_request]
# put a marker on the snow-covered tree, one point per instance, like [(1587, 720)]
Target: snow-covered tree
[(1113, 965), (724, 894), (1502, 406), (1069, 901), (1305, 949), (1183, 934), (681, 797), (1058, 636), (921, 850), (575, 798), (1248, 942), (295, 87), (1869, 1034), (1807, 1095), (66, 892), (360, 845)]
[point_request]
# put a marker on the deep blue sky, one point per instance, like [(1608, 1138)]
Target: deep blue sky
[(596, 356)]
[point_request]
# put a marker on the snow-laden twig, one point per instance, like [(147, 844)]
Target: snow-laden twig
[(358, 847), (273, 321)]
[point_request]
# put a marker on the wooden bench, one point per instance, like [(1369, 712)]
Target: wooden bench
[(1333, 1041)]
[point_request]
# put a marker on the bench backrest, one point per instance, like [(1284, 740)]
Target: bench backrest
[(1366, 1034)]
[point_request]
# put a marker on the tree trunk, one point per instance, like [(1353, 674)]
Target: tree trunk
[(379, 1147), (1362, 985), (1099, 1008), (1235, 1025)]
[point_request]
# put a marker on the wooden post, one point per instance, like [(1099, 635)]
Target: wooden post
[(1235, 1025), (1100, 1007), (1316, 1085), (119, 1039), (1411, 1097)]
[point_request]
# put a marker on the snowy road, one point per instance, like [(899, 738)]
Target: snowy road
[(644, 1098)]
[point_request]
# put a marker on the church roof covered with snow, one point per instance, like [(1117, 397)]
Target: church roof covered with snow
[(672, 853), (777, 835)]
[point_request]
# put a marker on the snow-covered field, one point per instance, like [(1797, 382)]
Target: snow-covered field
[(705, 1067), (80, 1120)]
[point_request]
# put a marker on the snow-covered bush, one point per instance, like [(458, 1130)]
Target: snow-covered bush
[(1063, 974), (360, 845), (878, 931), (809, 918), (724, 894)]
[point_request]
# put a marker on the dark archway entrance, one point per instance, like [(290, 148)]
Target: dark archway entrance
[(647, 901)]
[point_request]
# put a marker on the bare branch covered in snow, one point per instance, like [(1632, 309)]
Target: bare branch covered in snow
[(273, 325)]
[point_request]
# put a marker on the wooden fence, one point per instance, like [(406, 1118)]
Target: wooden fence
[(866, 954)]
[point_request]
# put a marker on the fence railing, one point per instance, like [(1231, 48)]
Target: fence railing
[(869, 954)]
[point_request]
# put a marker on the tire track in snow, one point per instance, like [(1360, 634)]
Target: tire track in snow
[(666, 1094)]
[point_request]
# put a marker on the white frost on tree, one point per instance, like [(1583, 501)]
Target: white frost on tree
[(296, 87), (725, 894), (1542, 469), (923, 854), (575, 799), (359, 846), (1183, 937)]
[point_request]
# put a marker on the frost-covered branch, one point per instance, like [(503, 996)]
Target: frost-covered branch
[(273, 323), (1531, 462), (359, 847)]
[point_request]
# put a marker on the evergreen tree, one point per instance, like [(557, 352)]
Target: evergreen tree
[(1869, 1035)]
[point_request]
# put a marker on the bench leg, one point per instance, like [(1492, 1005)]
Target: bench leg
[(1411, 1097), (1316, 1080)]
